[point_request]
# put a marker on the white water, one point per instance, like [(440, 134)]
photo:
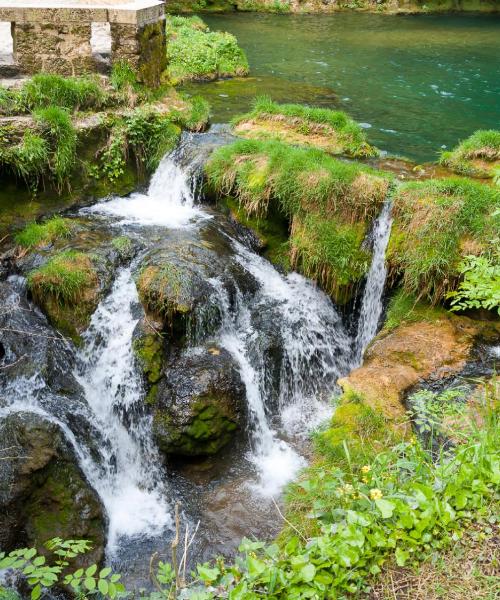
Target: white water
[(371, 304), (169, 200), (130, 481)]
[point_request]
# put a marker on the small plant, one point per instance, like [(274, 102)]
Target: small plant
[(42, 234), (480, 287), (42, 576), (122, 75), (428, 408), (64, 277)]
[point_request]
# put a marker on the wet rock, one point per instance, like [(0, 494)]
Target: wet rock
[(199, 404), (43, 493), (397, 360)]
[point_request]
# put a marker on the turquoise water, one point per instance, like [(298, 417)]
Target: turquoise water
[(417, 82)]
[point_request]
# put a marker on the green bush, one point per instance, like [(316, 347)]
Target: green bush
[(437, 223), (72, 93), (38, 234), (480, 287), (304, 119), (195, 53)]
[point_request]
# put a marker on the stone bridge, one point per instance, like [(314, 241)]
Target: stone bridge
[(54, 36)]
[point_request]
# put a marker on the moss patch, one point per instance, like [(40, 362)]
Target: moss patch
[(332, 131)]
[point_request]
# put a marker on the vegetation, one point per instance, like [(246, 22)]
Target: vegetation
[(328, 203), (64, 278), (406, 308), (333, 131), (42, 234), (370, 498), (196, 53), (480, 287), (477, 156), (436, 224)]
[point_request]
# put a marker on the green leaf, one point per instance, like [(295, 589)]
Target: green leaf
[(36, 592), (208, 575), (105, 572), (91, 570), (89, 583), (386, 507), (308, 572), (39, 561), (103, 586), (401, 557)]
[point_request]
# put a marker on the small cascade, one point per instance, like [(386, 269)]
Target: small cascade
[(168, 201), (130, 478), (371, 304)]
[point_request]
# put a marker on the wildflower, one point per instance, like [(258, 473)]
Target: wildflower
[(376, 494), (366, 469)]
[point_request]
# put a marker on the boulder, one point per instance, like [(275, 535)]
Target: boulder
[(43, 493), (199, 404)]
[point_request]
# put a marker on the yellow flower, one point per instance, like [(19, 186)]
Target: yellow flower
[(375, 494), (366, 469)]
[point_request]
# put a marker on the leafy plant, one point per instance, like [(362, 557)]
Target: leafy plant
[(480, 287)]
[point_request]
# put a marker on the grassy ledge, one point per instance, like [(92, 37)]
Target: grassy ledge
[(194, 53), (332, 131), (35, 235), (477, 156), (329, 204), (436, 224)]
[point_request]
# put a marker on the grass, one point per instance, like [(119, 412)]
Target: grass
[(329, 203), (476, 156), (163, 290), (405, 308), (64, 278), (195, 53), (42, 234), (436, 224), (331, 130)]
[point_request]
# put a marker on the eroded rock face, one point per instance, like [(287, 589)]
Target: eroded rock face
[(399, 359), (199, 404), (43, 493)]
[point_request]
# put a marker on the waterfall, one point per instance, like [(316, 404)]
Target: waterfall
[(130, 478), (371, 304)]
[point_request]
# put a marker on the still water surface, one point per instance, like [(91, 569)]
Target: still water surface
[(416, 82)]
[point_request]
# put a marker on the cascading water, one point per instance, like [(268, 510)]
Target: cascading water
[(371, 304), (129, 481)]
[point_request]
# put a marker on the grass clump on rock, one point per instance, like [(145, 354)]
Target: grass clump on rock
[(195, 53), (436, 224), (477, 156), (328, 203), (329, 130), (41, 234)]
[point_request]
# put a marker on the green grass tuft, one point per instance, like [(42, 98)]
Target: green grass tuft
[(64, 278), (345, 133), (473, 155), (405, 308), (436, 224), (195, 53), (42, 234)]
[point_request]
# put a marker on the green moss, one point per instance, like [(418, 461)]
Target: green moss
[(437, 223), (477, 156), (42, 234), (333, 130), (406, 308), (149, 352), (195, 53)]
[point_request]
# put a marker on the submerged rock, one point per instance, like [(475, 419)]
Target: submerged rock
[(199, 404), (43, 493)]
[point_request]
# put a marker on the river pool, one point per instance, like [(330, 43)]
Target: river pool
[(418, 83)]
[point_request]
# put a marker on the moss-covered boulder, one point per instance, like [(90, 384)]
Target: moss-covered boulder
[(43, 493), (199, 404)]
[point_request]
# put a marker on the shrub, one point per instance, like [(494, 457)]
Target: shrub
[(39, 234), (480, 287), (437, 223), (72, 93), (195, 53), (331, 130), (64, 278), (472, 156)]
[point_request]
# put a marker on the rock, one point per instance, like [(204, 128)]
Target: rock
[(43, 493), (399, 359), (199, 404)]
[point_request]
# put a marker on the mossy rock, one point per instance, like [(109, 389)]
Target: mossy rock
[(199, 404)]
